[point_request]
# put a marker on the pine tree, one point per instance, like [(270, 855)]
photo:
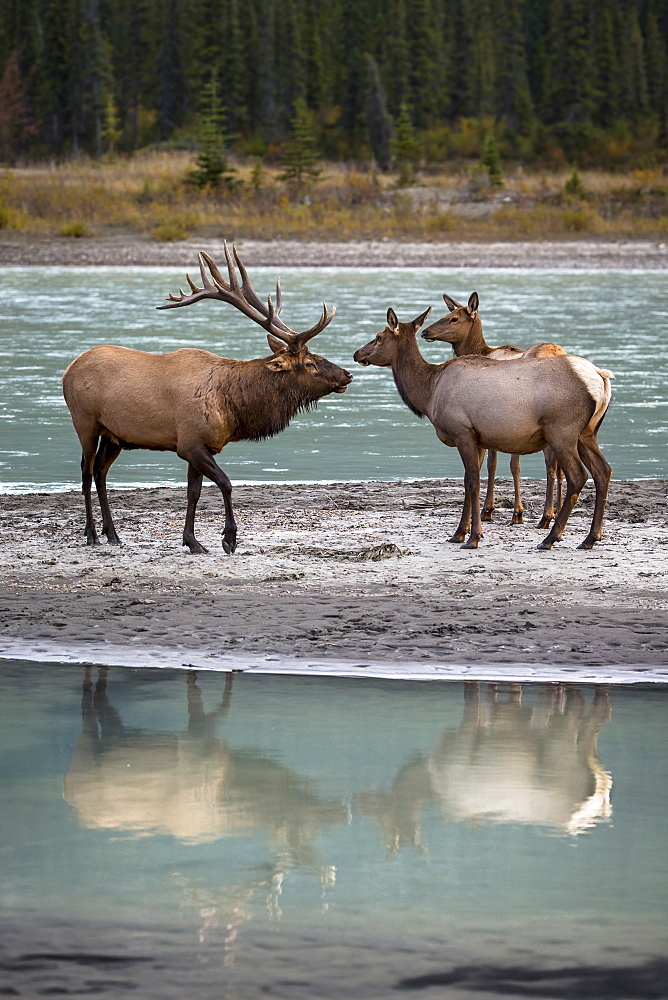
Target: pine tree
[(405, 147), (300, 156), (212, 166)]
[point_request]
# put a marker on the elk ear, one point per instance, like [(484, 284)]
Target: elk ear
[(278, 364), (472, 307), (392, 320), (419, 320), (452, 304), (275, 344)]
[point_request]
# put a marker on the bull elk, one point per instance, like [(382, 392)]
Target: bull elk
[(462, 327), (475, 403), (194, 402)]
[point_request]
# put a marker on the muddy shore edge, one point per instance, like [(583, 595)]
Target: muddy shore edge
[(340, 575)]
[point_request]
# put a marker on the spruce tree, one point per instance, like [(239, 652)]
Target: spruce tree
[(491, 161), (212, 166), (300, 155)]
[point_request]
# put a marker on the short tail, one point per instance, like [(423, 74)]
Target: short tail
[(604, 373)]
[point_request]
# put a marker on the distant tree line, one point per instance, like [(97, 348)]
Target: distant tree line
[(580, 80)]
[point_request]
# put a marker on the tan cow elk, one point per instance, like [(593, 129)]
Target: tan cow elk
[(194, 402), (462, 327), (475, 403), (506, 763)]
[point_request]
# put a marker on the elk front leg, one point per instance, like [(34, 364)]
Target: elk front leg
[(203, 462), (488, 506), (194, 491), (518, 508)]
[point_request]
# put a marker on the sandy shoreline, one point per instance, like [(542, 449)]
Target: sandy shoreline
[(349, 572), (21, 250)]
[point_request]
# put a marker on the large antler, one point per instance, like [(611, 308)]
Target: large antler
[(244, 298)]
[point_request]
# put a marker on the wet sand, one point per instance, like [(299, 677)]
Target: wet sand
[(350, 572)]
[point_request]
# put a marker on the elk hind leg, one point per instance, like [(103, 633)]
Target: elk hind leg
[(488, 506), (106, 455), (593, 458), (553, 474), (576, 477), (518, 508), (88, 450)]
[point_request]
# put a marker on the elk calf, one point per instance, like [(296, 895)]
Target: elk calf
[(192, 402)]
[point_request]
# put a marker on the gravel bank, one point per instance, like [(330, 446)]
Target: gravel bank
[(19, 250)]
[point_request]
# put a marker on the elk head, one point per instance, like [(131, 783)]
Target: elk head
[(316, 375), (455, 327), (383, 350)]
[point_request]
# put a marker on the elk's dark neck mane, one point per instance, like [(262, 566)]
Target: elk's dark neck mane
[(262, 402), (475, 342)]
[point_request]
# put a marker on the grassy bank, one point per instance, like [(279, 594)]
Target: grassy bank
[(148, 194)]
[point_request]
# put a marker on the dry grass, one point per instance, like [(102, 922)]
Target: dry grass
[(147, 193)]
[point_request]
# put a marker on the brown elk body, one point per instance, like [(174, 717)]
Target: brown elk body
[(462, 328), (193, 402), (476, 403)]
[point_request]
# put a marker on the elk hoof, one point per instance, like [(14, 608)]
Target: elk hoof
[(196, 548), (487, 514), (459, 537), (471, 544), (230, 546), (544, 521), (545, 544), (92, 540), (517, 517), (588, 543)]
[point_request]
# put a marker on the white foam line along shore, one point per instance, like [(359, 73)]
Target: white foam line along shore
[(94, 654)]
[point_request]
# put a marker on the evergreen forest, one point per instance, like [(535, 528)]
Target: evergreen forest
[(557, 81)]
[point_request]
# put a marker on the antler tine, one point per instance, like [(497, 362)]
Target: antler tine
[(251, 296), (324, 321), (278, 328), (234, 281)]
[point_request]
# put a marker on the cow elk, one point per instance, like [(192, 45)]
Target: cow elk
[(191, 401), (462, 327), (475, 403), (506, 763)]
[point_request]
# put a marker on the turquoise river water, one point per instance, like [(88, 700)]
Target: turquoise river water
[(165, 835), (49, 315)]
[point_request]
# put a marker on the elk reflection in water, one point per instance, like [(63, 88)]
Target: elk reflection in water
[(506, 763), (193, 786), (190, 785)]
